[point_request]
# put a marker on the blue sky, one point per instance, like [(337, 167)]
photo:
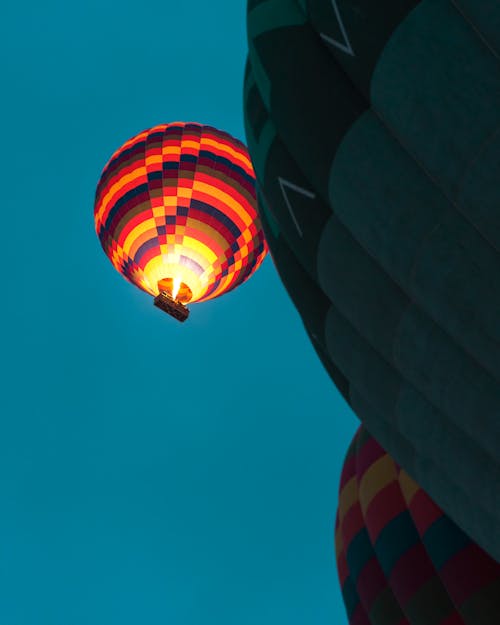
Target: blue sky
[(150, 472)]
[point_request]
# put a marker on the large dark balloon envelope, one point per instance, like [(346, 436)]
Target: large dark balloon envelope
[(400, 559), (374, 132)]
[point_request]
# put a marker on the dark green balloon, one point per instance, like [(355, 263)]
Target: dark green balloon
[(374, 128)]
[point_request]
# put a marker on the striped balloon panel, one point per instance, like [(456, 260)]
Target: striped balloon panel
[(178, 201), (400, 559), (373, 129), (356, 611)]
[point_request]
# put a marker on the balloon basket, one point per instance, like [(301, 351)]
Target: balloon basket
[(171, 306)]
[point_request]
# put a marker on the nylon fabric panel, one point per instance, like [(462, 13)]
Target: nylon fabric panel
[(440, 96), (483, 17), (415, 233), (356, 32), (477, 195), (355, 609), (358, 555)]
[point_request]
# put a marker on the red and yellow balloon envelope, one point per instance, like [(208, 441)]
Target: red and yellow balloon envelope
[(175, 212), (401, 560)]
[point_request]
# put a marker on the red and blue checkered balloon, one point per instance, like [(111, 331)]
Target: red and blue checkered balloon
[(401, 560), (177, 204)]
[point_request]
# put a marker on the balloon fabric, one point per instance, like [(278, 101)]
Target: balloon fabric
[(176, 210), (374, 133), (400, 559)]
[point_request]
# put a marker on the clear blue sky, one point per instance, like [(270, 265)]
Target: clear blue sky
[(149, 472)]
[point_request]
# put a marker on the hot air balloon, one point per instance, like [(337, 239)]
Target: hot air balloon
[(374, 133), (400, 559), (175, 212)]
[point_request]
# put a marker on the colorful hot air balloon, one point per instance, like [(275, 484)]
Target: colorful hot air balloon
[(401, 561), (374, 133), (175, 212)]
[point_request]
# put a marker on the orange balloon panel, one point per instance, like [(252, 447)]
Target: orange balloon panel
[(177, 204)]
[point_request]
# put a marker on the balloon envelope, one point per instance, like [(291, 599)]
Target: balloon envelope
[(400, 559), (175, 210), (373, 128)]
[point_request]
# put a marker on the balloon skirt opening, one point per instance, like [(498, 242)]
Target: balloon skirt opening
[(178, 290)]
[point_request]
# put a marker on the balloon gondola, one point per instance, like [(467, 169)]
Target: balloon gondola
[(173, 307)]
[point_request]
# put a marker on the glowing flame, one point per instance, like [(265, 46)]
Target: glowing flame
[(176, 286)]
